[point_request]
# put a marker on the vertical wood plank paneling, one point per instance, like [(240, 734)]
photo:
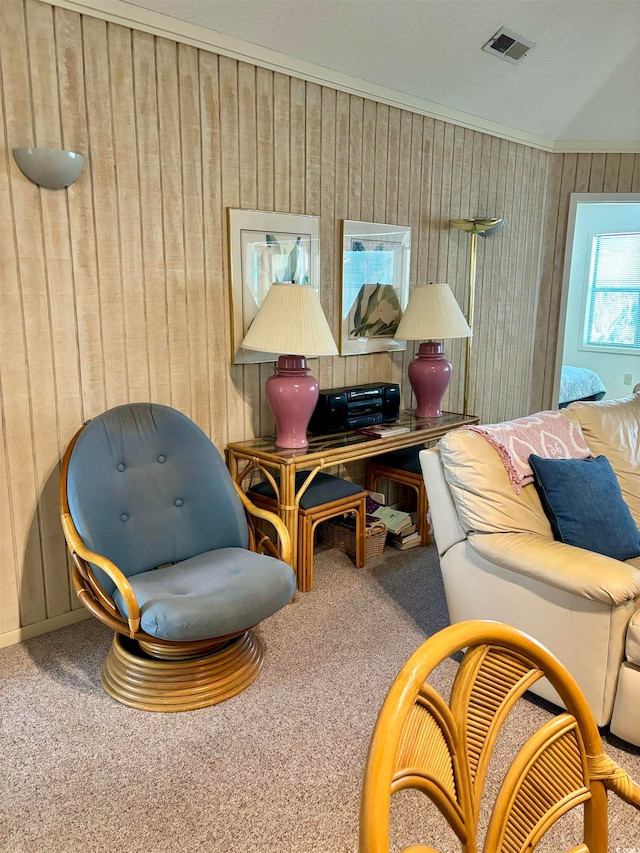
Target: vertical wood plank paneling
[(596, 178), (297, 138), (192, 203), (368, 168), (373, 368), (611, 171), (247, 140), (19, 296), (484, 323), (48, 259), (583, 173), (230, 176), (519, 313), (419, 176), (511, 209), (341, 212), (365, 363), (313, 130), (265, 187), (281, 121), (173, 221), (105, 211), (17, 493), (215, 257), (358, 176), (428, 251), (566, 183), (264, 134), (454, 348), (129, 215), (118, 288), (625, 175), (329, 241), (543, 318), (151, 231), (635, 183)]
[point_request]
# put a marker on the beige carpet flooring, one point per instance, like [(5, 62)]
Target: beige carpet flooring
[(277, 769)]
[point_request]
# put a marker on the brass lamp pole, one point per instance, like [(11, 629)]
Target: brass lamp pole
[(473, 227)]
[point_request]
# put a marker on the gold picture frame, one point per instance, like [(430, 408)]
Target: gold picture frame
[(375, 285), (265, 247)]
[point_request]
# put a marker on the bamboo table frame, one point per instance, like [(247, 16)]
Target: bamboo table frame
[(325, 451)]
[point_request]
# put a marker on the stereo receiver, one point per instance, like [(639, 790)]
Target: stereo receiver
[(355, 407)]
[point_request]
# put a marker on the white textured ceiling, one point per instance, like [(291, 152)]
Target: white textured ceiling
[(581, 81)]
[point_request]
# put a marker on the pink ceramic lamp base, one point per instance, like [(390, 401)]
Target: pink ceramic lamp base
[(292, 395), (429, 375)]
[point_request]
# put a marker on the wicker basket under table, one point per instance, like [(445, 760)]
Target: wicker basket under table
[(339, 536)]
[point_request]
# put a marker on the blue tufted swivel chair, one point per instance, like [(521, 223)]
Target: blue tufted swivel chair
[(167, 551)]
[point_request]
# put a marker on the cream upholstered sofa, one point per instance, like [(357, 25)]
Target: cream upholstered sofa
[(499, 560)]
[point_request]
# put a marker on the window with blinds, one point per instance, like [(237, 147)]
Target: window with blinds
[(612, 317)]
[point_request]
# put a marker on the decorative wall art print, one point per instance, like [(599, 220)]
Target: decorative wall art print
[(375, 285), (264, 248)]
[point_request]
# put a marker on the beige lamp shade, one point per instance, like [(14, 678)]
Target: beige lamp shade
[(291, 321), (432, 314)]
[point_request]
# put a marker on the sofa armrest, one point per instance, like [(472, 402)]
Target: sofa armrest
[(583, 573)]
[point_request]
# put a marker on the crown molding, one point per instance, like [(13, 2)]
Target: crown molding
[(597, 146), (138, 18)]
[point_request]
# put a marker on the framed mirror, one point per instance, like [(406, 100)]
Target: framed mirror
[(375, 285), (264, 248)]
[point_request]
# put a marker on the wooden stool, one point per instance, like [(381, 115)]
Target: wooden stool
[(326, 497), (402, 466)]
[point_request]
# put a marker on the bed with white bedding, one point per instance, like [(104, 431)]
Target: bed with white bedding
[(579, 383)]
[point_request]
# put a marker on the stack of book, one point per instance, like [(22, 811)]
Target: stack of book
[(401, 526), (407, 537)]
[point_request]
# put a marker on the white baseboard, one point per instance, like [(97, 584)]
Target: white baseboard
[(21, 634)]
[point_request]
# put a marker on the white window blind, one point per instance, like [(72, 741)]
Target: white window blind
[(613, 303)]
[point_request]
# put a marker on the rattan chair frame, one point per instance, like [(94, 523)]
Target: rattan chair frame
[(444, 749), (150, 673)]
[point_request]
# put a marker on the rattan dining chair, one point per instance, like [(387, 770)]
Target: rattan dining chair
[(443, 749)]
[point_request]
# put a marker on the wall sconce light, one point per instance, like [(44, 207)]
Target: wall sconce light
[(52, 168)]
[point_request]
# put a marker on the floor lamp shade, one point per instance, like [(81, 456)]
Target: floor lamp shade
[(291, 321), (432, 314)]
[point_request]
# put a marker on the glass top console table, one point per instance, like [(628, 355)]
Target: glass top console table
[(280, 465)]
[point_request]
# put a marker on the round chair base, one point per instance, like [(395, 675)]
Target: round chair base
[(135, 679)]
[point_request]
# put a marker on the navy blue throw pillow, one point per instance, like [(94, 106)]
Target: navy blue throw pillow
[(584, 505)]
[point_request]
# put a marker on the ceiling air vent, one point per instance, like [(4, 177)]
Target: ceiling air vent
[(508, 45)]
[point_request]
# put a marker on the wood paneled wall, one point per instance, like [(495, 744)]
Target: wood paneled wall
[(568, 173), (117, 288)]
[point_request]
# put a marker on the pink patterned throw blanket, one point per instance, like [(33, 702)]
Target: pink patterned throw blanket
[(547, 434)]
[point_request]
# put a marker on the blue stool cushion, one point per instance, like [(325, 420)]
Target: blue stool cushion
[(323, 489), (406, 459), (210, 595)]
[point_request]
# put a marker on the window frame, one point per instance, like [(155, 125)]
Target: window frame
[(588, 296)]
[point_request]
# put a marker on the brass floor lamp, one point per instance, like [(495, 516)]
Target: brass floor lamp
[(473, 227)]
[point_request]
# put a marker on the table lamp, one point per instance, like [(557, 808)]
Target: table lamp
[(291, 321), (432, 313)]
